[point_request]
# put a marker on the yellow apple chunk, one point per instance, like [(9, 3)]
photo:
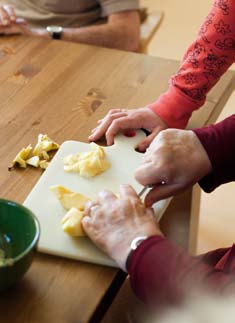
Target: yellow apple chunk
[(69, 199), (33, 161), (21, 157), (43, 164), (72, 222), (44, 145), (87, 164)]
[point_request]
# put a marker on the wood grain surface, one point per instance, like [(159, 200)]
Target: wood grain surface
[(62, 89)]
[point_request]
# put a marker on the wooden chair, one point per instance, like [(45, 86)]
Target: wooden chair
[(150, 21)]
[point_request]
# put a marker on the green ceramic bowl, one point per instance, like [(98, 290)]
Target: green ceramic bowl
[(19, 233)]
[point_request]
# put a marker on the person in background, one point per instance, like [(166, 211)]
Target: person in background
[(107, 23), (205, 61), (125, 228)]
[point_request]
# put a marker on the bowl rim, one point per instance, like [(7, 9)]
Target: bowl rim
[(33, 242)]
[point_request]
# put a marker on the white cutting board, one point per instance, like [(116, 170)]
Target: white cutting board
[(123, 159)]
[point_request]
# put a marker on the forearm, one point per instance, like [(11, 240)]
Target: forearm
[(219, 142), (158, 271), (106, 35), (121, 31), (162, 273)]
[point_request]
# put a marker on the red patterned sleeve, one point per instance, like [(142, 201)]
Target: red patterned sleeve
[(205, 61)]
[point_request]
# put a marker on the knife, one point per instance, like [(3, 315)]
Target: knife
[(144, 189)]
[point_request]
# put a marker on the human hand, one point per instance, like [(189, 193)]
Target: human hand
[(174, 161), (118, 119), (9, 22), (36, 32), (113, 222)]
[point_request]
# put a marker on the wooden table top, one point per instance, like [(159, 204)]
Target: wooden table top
[(62, 89)]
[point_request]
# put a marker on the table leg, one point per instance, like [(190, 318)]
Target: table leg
[(126, 308), (181, 220)]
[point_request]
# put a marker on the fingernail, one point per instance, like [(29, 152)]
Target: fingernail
[(141, 148)]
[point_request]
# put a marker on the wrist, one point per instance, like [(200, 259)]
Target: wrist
[(121, 252), (134, 245), (43, 33), (205, 166), (36, 32), (55, 32), (67, 34)]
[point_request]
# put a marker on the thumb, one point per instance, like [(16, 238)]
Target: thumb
[(144, 144), (160, 192)]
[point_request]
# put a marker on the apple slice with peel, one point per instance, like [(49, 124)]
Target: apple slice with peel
[(68, 198), (72, 222), (75, 204)]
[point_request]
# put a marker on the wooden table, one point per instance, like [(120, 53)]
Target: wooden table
[(62, 89)]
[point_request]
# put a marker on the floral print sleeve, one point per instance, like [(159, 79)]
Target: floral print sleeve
[(205, 61)]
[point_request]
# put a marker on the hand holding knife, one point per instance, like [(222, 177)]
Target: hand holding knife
[(144, 189)]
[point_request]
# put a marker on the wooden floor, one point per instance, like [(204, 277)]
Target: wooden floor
[(178, 28)]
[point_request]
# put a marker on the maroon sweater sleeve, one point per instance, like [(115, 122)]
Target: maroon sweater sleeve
[(162, 273), (219, 143)]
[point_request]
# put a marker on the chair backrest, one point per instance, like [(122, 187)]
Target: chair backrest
[(150, 21)]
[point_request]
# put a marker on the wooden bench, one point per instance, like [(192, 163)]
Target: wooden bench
[(150, 21)]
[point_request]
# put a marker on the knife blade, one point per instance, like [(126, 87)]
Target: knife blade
[(144, 189)]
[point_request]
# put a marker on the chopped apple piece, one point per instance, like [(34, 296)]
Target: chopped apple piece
[(40, 154), (72, 222), (87, 164), (43, 164), (45, 155), (43, 145), (21, 157), (33, 161), (69, 199)]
